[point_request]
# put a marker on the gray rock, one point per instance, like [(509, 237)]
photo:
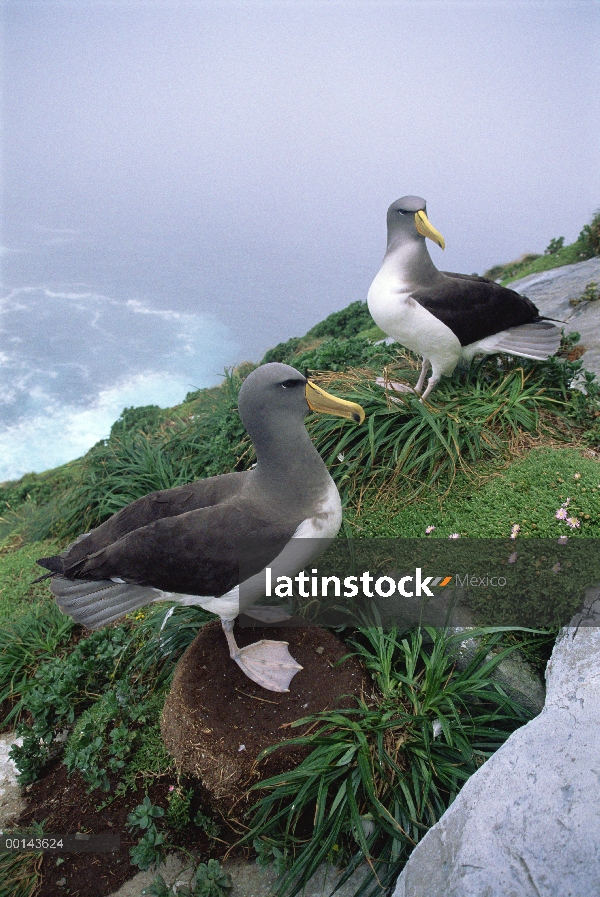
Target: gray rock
[(514, 674), (527, 823), (551, 291)]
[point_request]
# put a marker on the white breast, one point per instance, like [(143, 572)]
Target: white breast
[(403, 318)]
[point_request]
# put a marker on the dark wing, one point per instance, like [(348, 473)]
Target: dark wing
[(475, 308), (156, 506), (195, 553)]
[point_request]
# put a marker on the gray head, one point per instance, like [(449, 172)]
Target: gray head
[(407, 220), (272, 393), (276, 398)]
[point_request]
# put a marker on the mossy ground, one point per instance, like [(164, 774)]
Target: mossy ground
[(18, 569), (527, 492)]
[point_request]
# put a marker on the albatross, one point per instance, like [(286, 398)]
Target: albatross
[(192, 544), (447, 317)]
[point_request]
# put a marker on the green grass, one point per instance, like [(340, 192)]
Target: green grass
[(527, 492), (18, 569), (27, 641), (380, 775), (476, 417), (586, 246), (20, 873), (533, 263)]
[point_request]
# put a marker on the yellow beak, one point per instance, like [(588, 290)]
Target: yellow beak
[(428, 230), (325, 403)]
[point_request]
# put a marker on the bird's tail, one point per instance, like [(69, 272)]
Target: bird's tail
[(538, 341), (95, 604)]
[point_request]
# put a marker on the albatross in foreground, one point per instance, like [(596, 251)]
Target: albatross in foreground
[(447, 317), (187, 544)]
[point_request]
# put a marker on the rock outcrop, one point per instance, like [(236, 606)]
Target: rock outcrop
[(551, 292), (527, 823)]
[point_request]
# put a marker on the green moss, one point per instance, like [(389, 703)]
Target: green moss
[(18, 570), (528, 493)]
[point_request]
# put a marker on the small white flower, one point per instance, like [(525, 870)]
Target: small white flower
[(341, 456), (562, 540), (556, 568), (242, 747), (513, 557), (429, 529), (576, 476), (454, 536), (573, 522)]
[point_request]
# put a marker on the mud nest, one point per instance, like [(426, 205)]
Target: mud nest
[(216, 721)]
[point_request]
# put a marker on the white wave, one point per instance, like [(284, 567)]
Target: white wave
[(64, 433)]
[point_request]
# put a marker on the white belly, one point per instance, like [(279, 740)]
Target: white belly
[(403, 318)]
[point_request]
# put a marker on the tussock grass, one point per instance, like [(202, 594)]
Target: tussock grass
[(380, 775), (472, 418), (20, 873)]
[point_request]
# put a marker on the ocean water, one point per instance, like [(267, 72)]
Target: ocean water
[(72, 358)]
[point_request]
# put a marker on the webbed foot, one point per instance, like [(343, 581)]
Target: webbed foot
[(395, 386), (267, 662)]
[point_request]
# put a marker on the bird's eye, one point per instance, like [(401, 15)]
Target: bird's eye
[(402, 212), (289, 384)]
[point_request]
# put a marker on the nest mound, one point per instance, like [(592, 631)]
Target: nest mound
[(216, 721)]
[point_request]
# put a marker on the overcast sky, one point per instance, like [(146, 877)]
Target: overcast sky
[(186, 184)]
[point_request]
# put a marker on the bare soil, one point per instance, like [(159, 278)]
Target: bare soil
[(216, 721)]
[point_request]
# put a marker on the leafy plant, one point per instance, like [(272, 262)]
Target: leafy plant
[(145, 419), (211, 881), (149, 852), (102, 739), (283, 352), (336, 355), (100, 684), (590, 235), (25, 643), (554, 245), (556, 254), (178, 811), (345, 323), (269, 855), (590, 294), (150, 849), (380, 775), (58, 689), (158, 888), (143, 815), (207, 824)]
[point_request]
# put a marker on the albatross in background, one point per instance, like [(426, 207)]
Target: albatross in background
[(187, 544), (447, 317)]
